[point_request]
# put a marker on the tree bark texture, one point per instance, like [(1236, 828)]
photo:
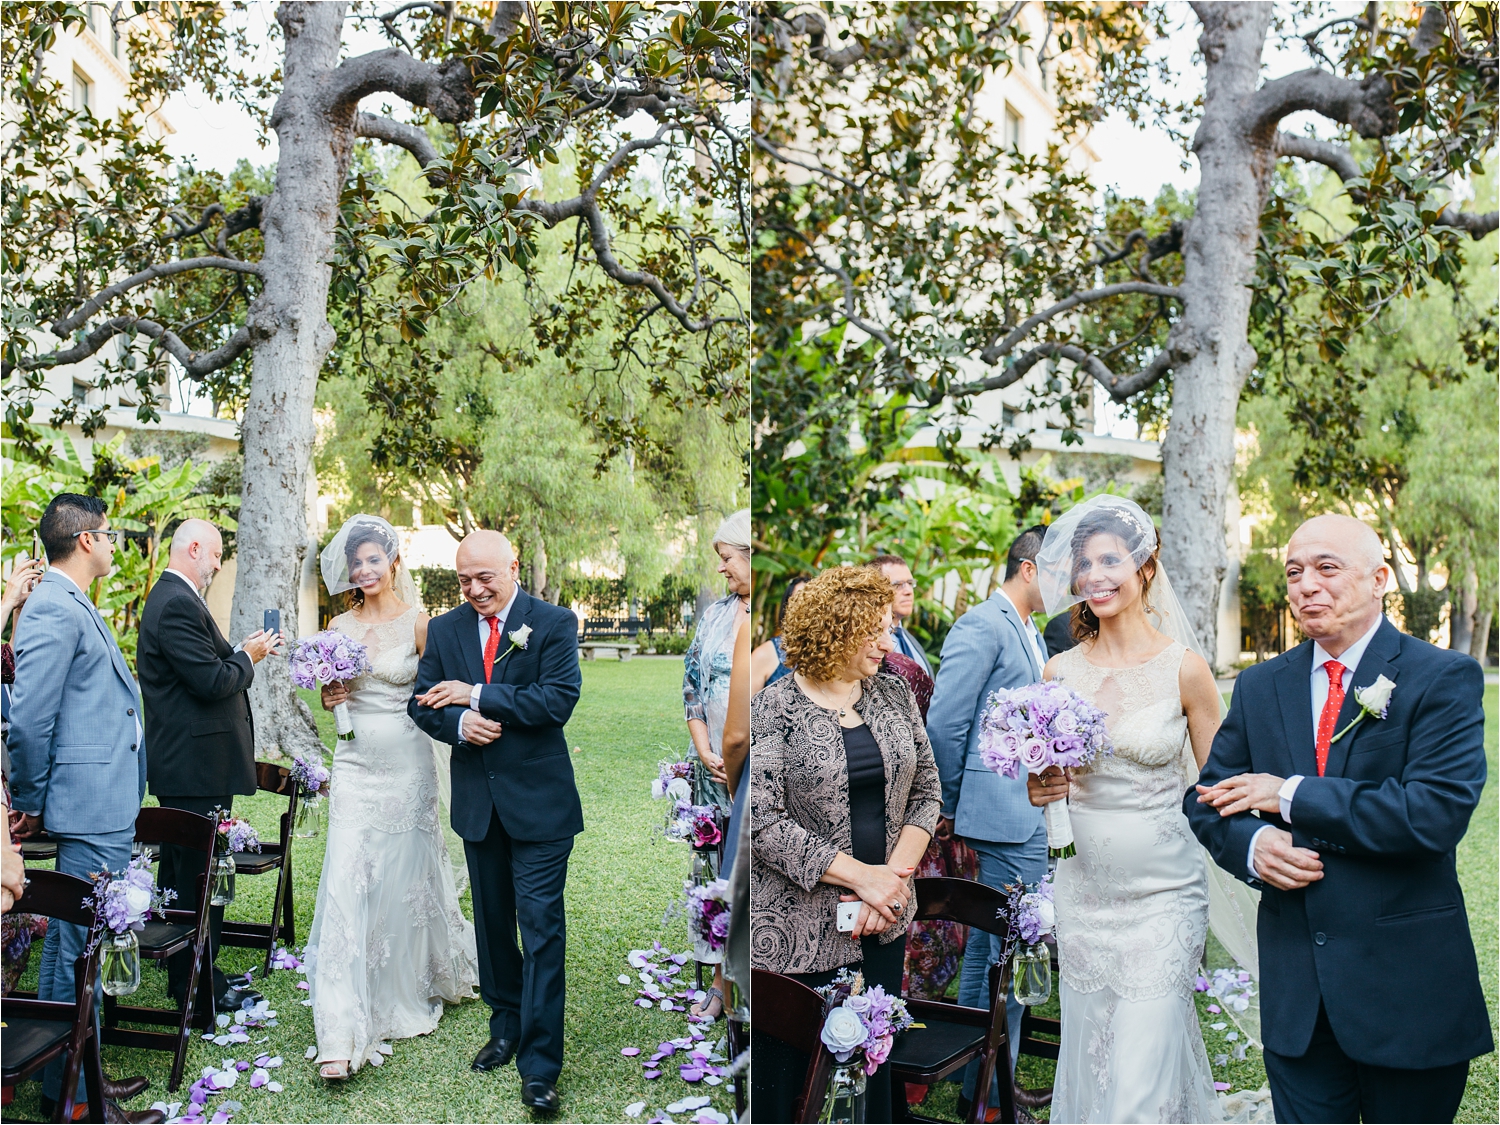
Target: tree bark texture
[(291, 339)]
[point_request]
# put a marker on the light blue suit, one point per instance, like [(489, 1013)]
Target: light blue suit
[(76, 753), (987, 650)]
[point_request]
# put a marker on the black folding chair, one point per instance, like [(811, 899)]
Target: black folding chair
[(788, 1010), (954, 1035), (34, 1033), (271, 857), (183, 930)]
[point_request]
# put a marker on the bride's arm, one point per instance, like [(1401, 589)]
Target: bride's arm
[(421, 631), (1200, 703)]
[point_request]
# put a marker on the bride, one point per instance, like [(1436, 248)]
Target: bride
[(1132, 905), (389, 944)]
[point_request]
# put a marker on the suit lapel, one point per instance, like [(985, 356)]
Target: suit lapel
[(1294, 700), (1376, 662), (520, 614), (116, 657), (468, 643), (1008, 612)]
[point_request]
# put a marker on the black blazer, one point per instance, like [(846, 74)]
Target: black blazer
[(1388, 914), (526, 775), (193, 695)]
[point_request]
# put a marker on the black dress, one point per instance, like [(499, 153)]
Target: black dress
[(778, 1069)]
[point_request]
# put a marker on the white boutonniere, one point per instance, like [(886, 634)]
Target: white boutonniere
[(518, 639), (1373, 700)]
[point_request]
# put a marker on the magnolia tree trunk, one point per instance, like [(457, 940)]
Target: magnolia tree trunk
[(1212, 354), (292, 338)]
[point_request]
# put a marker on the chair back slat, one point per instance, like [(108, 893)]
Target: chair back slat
[(964, 901), (175, 826), (273, 778), (56, 895)]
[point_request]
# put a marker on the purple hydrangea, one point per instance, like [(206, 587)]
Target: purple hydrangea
[(312, 776), (1036, 916), (123, 900), (326, 658), (237, 835), (1028, 729)]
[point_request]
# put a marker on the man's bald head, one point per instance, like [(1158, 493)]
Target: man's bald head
[(487, 571), (1336, 575), (197, 550)]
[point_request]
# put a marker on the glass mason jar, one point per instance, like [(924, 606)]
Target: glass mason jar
[(704, 863), (309, 817), (846, 1093), (120, 964), (1031, 974), (223, 879)]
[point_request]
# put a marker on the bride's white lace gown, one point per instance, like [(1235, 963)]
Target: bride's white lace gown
[(388, 943), (1132, 911)]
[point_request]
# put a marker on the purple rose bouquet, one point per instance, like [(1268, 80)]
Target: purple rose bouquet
[(1029, 729), (708, 916), (123, 900), (326, 658), (861, 1022), (312, 776)]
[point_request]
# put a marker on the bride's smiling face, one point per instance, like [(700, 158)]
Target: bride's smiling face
[(1106, 576), (369, 569)]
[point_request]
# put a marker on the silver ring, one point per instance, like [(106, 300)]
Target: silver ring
[(896, 908)]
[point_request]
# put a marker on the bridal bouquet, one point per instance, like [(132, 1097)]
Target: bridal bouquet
[(326, 658), (1029, 729), (861, 1024)]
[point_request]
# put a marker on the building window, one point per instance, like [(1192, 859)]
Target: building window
[(1012, 129), (82, 91), (91, 18), (80, 392)]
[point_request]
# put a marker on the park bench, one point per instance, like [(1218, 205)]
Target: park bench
[(612, 650), (615, 628)]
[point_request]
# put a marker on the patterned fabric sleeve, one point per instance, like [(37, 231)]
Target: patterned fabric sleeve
[(777, 840), (692, 674)]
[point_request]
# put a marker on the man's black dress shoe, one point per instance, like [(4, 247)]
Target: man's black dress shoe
[(235, 998), (114, 1113), (495, 1053), (124, 1089), (540, 1095)]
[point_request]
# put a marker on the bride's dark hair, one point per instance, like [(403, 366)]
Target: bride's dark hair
[(368, 533), (1084, 622)]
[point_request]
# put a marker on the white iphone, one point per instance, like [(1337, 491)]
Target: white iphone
[(847, 916)]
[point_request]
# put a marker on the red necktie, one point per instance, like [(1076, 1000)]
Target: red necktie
[(1330, 715), (492, 644)]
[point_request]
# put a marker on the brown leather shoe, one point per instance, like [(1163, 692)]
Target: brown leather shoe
[(1031, 1099), (114, 1113), (125, 1088)]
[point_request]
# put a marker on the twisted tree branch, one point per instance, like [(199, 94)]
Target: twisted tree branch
[(65, 327), (1365, 105), (445, 88), (195, 364), (394, 132), (996, 352)]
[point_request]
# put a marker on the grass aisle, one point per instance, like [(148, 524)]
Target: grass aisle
[(620, 880)]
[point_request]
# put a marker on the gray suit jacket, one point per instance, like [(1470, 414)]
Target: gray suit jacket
[(987, 649), (75, 748)]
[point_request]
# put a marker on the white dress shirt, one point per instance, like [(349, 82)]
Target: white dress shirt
[(484, 637), (1030, 630), (1350, 659)]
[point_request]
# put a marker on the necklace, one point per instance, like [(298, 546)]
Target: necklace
[(843, 712)]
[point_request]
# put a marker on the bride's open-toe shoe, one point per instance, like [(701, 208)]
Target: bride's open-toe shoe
[(711, 1007), (335, 1071)]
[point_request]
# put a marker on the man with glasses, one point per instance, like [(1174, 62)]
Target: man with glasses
[(899, 574), (78, 758)]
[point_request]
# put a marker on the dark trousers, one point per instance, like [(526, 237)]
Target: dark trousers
[(179, 869), (778, 1070), (519, 884), (1327, 1085)]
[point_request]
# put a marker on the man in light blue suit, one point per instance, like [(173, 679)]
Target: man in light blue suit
[(77, 759), (993, 646)]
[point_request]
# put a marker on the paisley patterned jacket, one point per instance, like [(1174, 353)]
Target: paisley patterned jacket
[(800, 814)]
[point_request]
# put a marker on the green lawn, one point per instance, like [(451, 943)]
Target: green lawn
[(621, 879), (1476, 869)]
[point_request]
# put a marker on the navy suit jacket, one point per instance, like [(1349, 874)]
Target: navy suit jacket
[(1382, 940), (525, 775)]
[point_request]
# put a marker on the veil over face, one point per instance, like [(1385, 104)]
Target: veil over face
[(338, 561)]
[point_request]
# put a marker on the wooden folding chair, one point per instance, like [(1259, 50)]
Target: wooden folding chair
[(38, 849), (954, 1035), (34, 1033), (183, 930), (788, 1010), (271, 857)]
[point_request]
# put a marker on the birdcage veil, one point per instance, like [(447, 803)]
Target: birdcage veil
[(1232, 905), (358, 530)]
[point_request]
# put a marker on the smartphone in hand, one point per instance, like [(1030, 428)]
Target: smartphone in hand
[(848, 914), (272, 621)]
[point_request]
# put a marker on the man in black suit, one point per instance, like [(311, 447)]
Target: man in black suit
[(198, 724), (498, 680), (1371, 1006)]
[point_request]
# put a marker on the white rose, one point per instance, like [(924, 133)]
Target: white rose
[(521, 635), (658, 789), (843, 1032), (1046, 913), (1376, 697), (678, 789), (138, 899)]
